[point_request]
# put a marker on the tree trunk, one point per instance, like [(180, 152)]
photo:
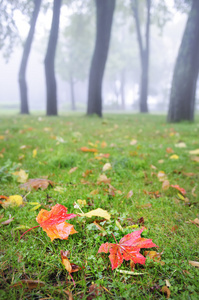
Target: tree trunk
[(49, 62), (122, 89), (104, 11), (26, 51), (144, 54), (72, 92), (183, 90)]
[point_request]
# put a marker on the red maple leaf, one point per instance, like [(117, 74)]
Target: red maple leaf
[(128, 249), (177, 187), (53, 222)]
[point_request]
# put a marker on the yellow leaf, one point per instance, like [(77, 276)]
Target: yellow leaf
[(99, 212), (22, 176), (117, 223), (103, 144), (81, 202), (14, 200), (194, 152), (2, 137), (106, 167), (59, 189), (174, 156), (181, 196), (34, 153), (35, 207)]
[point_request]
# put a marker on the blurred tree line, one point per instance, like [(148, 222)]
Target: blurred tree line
[(73, 55)]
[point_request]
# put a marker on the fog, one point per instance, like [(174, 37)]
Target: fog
[(164, 46)]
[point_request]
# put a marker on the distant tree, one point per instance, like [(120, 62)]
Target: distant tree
[(144, 51), (49, 61), (75, 44), (183, 90), (104, 16), (23, 66)]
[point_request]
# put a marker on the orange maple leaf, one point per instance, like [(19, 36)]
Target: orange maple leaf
[(177, 187), (86, 149), (128, 248), (53, 222)]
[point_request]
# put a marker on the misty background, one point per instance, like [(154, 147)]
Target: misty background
[(123, 60)]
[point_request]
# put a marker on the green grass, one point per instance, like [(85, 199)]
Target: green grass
[(36, 257)]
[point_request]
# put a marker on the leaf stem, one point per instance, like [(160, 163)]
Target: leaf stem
[(114, 238), (29, 230), (72, 279)]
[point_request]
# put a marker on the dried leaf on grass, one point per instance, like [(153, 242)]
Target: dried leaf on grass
[(72, 170), (130, 194), (22, 176), (29, 284), (86, 149), (165, 290), (177, 187), (53, 222), (106, 167), (103, 179), (195, 221), (194, 263), (99, 212), (7, 221), (37, 183), (70, 267)]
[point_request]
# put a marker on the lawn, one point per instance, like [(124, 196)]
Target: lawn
[(133, 191)]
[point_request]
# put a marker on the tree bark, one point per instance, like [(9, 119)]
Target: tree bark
[(144, 54), (183, 90), (23, 66), (122, 89), (49, 61), (104, 17)]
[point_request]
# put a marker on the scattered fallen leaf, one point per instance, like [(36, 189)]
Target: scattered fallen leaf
[(169, 150), (177, 187), (22, 176), (174, 156), (195, 158), (165, 185), (160, 161), (155, 256), (94, 291), (86, 149), (14, 200), (36, 184), (180, 145), (165, 290), (86, 173), (34, 153), (99, 212), (130, 194), (161, 176), (70, 267), (194, 152), (127, 249), (133, 142), (193, 192), (106, 167), (194, 263), (72, 170), (29, 284), (103, 179), (195, 221), (53, 222), (102, 155), (7, 221), (103, 144), (147, 205), (81, 202), (94, 192), (59, 189), (174, 228), (153, 167), (100, 228), (2, 137)]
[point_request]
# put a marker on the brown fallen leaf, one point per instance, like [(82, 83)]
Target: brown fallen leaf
[(94, 192), (36, 184), (86, 173), (130, 194), (194, 263), (165, 290), (70, 295), (193, 192), (72, 170), (94, 291), (100, 228), (147, 205), (155, 256), (70, 267), (174, 228), (7, 221), (195, 221), (195, 158), (165, 185), (86, 149), (29, 284), (169, 150), (103, 179)]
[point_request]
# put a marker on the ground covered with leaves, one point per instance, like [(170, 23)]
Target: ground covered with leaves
[(87, 184)]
